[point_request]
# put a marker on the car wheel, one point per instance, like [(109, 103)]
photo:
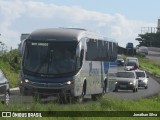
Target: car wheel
[(134, 90), (115, 90), (6, 99), (146, 87)]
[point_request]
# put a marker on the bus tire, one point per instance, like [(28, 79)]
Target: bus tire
[(79, 99), (36, 98), (105, 86), (6, 98)]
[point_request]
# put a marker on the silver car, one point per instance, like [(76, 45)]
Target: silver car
[(126, 80), (132, 59), (142, 78)]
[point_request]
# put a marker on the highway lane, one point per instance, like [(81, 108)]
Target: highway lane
[(154, 54)]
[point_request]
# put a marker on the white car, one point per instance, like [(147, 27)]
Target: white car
[(126, 80), (132, 59), (142, 78), (142, 50)]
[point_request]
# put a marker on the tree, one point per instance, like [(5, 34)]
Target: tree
[(149, 39)]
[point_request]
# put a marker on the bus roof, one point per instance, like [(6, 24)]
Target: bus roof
[(67, 34), (56, 34)]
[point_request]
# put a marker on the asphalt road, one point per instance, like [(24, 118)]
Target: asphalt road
[(154, 55)]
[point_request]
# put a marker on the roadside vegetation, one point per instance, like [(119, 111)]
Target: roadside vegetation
[(104, 104), (10, 65), (150, 65)]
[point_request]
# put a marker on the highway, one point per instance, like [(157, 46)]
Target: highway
[(154, 55)]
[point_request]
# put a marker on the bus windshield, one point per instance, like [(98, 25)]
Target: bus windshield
[(50, 57)]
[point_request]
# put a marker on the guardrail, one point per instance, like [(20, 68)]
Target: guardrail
[(154, 49)]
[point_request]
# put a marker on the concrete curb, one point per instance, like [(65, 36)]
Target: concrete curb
[(14, 89)]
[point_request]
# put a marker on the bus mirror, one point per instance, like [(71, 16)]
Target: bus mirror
[(21, 48)]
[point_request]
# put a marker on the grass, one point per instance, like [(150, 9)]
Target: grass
[(104, 104), (150, 65), (9, 72)]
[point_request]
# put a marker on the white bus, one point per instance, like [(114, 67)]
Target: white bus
[(65, 62)]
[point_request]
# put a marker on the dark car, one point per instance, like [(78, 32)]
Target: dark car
[(4, 89), (120, 60)]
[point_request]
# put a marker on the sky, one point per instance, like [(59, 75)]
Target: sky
[(120, 20)]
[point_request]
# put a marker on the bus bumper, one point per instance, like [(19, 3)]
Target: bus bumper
[(48, 90)]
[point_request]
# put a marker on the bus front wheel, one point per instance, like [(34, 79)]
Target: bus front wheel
[(80, 98)]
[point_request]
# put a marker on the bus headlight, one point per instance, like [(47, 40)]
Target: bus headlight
[(26, 81), (69, 82), (115, 82), (131, 83)]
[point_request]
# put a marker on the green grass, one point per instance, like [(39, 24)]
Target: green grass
[(9, 72), (150, 65), (104, 104)]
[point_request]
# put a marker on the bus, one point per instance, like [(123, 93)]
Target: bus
[(65, 62)]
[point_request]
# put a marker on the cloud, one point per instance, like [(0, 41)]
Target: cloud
[(17, 16)]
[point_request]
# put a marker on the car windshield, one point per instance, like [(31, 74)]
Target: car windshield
[(130, 64), (125, 75), (140, 74), (50, 57)]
